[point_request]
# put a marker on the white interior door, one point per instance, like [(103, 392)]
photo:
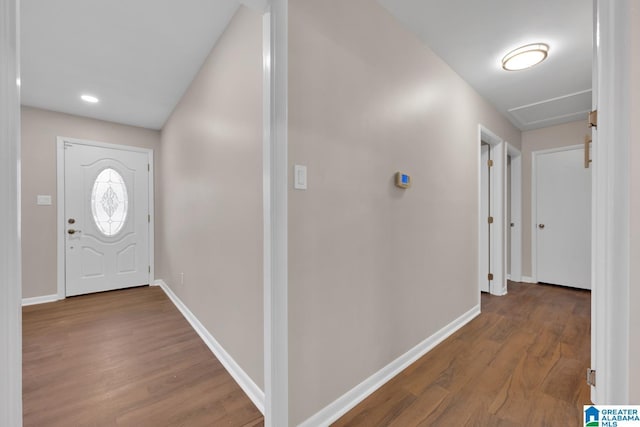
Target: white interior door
[(563, 219), (106, 205)]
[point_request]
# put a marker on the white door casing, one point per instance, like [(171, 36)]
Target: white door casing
[(562, 217), (515, 200), (106, 216), (497, 248), (610, 308), (485, 235), (10, 244), (275, 193), (499, 210)]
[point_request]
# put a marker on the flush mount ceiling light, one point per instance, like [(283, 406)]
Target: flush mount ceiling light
[(525, 57), (89, 98)]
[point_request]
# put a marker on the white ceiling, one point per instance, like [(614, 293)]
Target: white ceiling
[(472, 37), (139, 56)]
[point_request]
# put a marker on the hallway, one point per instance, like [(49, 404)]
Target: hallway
[(522, 362)]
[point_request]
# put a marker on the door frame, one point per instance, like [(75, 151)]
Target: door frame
[(516, 213), (611, 201), (60, 169), (499, 209), (534, 203), (275, 185), (10, 245)]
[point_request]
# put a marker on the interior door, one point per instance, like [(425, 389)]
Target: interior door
[(563, 213), (106, 204)]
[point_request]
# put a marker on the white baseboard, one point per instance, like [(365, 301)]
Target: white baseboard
[(502, 293), (39, 300), (244, 381), (350, 399), (527, 279)]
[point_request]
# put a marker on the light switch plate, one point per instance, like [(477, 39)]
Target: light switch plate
[(43, 200), (300, 177)]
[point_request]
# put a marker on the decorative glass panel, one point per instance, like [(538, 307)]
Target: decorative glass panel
[(109, 202)]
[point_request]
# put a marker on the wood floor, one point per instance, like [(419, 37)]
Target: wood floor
[(124, 358), (128, 358), (522, 362)]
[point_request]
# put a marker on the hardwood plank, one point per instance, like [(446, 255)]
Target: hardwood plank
[(562, 383), (384, 408), (520, 363), (124, 358), (422, 408)]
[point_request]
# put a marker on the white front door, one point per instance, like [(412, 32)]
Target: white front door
[(106, 221), (563, 218)]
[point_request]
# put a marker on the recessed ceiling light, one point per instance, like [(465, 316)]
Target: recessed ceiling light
[(89, 98), (525, 57)]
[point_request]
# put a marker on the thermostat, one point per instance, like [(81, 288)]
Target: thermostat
[(403, 180)]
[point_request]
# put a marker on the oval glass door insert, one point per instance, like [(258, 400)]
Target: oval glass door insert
[(109, 202)]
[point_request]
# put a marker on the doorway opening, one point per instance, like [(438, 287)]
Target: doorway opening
[(486, 211), (492, 213), (514, 213)]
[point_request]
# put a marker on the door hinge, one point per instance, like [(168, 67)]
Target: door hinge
[(591, 377), (149, 269), (490, 276), (490, 163), (593, 119), (490, 220), (148, 167), (149, 218), (587, 151)]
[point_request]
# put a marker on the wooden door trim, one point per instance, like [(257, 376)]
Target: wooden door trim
[(61, 140)]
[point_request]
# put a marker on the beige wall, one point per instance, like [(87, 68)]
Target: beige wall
[(212, 183), (40, 128), (564, 135), (374, 270), (634, 324)]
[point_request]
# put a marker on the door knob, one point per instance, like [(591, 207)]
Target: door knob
[(72, 221), (540, 226), (72, 231)]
